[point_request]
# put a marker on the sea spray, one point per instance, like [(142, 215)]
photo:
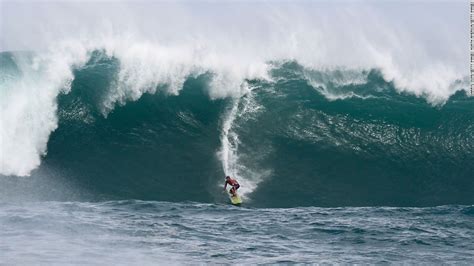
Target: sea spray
[(28, 106)]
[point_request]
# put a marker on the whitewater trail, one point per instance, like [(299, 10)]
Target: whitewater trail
[(240, 107)]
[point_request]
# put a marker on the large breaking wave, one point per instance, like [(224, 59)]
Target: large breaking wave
[(292, 136)]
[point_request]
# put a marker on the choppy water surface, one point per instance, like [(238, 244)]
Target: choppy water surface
[(124, 232)]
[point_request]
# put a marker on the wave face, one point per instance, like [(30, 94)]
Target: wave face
[(300, 137)]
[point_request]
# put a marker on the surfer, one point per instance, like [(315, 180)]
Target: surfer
[(235, 185)]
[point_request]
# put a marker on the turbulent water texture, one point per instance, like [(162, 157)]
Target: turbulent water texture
[(146, 233), (299, 138)]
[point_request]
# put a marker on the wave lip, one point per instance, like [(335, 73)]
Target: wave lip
[(28, 106)]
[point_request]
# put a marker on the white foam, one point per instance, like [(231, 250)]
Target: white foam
[(28, 110), (242, 107), (423, 48)]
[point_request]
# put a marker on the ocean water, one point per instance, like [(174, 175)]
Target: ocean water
[(149, 232), (119, 122)]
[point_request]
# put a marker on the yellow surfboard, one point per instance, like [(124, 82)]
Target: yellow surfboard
[(235, 200)]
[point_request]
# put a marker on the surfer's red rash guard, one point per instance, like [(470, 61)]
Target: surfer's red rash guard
[(231, 182)]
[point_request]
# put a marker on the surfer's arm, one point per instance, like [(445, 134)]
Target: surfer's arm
[(225, 185)]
